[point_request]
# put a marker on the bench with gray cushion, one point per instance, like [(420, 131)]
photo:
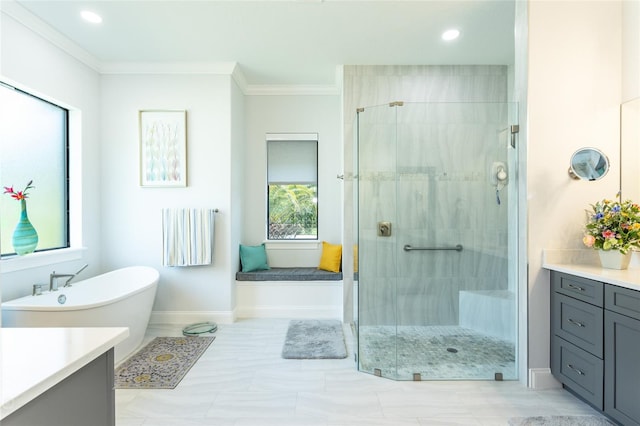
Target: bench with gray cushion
[(289, 274)]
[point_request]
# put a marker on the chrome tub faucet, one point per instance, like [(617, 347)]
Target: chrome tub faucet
[(53, 284)]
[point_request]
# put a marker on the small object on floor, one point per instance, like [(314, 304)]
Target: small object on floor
[(560, 421), (162, 363), (199, 328), (314, 339)]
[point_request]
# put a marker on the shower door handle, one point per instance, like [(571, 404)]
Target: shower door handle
[(409, 247)]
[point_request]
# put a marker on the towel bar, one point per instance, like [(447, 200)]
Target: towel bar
[(408, 247)]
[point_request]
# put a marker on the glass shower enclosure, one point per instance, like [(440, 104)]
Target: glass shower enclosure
[(436, 231)]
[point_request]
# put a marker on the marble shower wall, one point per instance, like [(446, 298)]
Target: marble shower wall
[(425, 168)]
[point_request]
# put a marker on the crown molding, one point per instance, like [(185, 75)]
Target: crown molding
[(38, 26), (294, 89), (232, 69), (240, 79), (222, 68)]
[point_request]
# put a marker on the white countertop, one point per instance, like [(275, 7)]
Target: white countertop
[(585, 264), (32, 360)]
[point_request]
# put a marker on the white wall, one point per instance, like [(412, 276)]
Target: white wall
[(293, 114), (236, 202), (131, 220), (32, 63), (574, 95), (630, 49)]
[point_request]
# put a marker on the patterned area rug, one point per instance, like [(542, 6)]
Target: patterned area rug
[(560, 421), (162, 363), (314, 339)]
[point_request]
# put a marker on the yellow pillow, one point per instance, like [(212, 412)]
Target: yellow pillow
[(331, 258)]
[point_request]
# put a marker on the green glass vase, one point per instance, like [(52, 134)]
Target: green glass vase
[(25, 237)]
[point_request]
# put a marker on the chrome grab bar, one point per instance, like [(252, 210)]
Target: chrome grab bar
[(408, 247)]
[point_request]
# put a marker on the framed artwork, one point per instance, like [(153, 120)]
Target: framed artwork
[(163, 148)]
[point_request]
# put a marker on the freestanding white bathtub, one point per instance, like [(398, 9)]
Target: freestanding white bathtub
[(120, 298)]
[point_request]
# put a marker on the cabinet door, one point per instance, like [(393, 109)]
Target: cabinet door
[(578, 370), (577, 322), (622, 368)]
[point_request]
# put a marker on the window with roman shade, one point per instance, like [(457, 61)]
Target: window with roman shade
[(292, 186)]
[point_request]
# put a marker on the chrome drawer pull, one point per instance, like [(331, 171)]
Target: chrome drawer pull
[(575, 287), (574, 322), (580, 372)]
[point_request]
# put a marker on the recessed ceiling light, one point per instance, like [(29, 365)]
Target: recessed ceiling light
[(92, 17), (450, 35)]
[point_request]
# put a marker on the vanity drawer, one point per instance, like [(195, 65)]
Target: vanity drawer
[(578, 370), (581, 288), (579, 323), (622, 300)]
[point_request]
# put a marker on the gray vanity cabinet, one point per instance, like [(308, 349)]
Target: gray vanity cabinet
[(577, 335), (622, 355), (595, 344), (85, 398)]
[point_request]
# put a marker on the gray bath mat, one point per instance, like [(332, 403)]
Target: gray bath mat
[(560, 421), (314, 339)]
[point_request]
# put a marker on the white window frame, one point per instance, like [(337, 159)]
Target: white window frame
[(292, 137), (75, 251)]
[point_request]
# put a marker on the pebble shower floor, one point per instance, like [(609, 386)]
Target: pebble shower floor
[(435, 352)]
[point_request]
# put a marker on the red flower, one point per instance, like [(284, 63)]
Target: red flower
[(20, 195)]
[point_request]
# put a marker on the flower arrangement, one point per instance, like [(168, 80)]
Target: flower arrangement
[(20, 195), (613, 225)]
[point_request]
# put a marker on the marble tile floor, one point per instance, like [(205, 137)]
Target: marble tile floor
[(241, 380)]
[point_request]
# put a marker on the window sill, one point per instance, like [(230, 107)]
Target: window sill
[(292, 244), (34, 260)]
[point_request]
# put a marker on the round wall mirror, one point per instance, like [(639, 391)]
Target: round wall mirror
[(588, 164)]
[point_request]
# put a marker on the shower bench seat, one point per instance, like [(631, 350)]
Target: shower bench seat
[(303, 292)]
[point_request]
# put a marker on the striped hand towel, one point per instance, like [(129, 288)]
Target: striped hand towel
[(188, 236)]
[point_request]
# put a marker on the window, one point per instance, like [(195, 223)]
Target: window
[(292, 186), (34, 147)]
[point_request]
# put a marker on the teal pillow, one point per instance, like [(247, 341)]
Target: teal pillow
[(253, 258)]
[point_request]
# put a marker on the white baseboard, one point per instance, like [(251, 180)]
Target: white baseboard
[(191, 317), (541, 378), (319, 312)]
